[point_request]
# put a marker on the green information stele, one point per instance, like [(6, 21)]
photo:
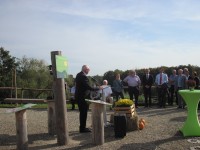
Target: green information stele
[(61, 66)]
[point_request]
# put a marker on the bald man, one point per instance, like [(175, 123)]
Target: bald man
[(82, 92)]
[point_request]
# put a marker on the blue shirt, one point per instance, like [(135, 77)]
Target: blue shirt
[(172, 78)]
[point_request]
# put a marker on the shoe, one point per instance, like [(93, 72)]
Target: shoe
[(85, 130)]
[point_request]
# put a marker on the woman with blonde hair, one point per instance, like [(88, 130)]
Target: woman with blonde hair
[(118, 87)]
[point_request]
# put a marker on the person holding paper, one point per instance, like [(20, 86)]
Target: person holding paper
[(107, 91)]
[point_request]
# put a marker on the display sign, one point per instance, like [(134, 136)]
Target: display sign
[(61, 66)]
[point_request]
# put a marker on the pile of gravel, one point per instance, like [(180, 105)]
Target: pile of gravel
[(160, 133)]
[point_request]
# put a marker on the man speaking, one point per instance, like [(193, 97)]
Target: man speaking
[(83, 92)]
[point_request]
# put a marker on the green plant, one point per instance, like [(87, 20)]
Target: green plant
[(124, 103)]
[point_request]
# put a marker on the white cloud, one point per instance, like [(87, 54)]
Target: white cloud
[(106, 35)]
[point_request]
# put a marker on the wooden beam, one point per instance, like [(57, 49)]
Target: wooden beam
[(21, 100), (21, 127), (60, 104)]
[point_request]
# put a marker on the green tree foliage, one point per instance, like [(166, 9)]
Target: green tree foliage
[(7, 66), (35, 74), (109, 76), (99, 80)]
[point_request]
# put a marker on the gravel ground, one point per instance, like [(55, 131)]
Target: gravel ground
[(160, 133)]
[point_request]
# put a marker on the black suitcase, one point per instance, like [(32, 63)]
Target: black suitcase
[(120, 126)]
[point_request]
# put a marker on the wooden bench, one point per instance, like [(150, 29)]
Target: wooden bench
[(50, 110), (21, 125)]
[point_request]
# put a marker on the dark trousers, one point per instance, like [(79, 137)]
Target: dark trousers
[(83, 109), (117, 94), (181, 102), (134, 91), (147, 96), (73, 102), (162, 96), (172, 93)]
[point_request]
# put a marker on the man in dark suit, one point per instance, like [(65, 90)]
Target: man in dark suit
[(147, 81), (82, 92)]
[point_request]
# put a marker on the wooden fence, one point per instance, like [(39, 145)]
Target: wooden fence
[(19, 92)]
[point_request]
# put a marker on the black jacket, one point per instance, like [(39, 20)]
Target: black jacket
[(82, 87), (148, 81)]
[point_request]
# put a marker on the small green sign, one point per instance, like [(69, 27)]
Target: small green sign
[(61, 66)]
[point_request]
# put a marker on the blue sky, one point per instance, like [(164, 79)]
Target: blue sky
[(104, 34)]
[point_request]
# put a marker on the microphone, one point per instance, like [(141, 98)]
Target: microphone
[(95, 81)]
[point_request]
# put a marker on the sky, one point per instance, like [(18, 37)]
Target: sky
[(104, 34)]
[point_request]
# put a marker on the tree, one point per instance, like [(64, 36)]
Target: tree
[(34, 74), (109, 76), (7, 66)]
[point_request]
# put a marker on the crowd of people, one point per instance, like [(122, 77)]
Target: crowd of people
[(167, 88)]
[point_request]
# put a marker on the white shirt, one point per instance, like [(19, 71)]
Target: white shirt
[(132, 80), (72, 91), (164, 79), (107, 91)]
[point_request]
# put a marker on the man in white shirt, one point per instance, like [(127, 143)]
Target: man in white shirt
[(133, 82), (161, 83), (107, 91)]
